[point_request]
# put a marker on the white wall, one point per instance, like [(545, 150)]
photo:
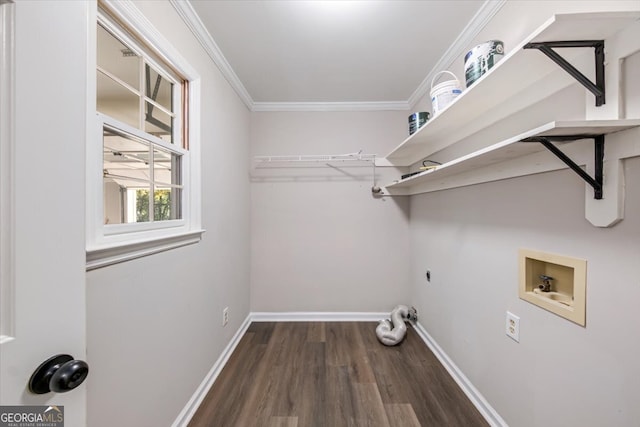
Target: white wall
[(320, 241), (154, 324), (560, 374)]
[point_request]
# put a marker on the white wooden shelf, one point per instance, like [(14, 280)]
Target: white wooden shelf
[(456, 172), (521, 79)]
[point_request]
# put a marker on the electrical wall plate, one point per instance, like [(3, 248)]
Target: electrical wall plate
[(225, 316), (513, 326)]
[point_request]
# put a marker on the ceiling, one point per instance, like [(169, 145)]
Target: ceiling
[(333, 52)]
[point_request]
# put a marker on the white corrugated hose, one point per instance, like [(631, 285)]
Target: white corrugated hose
[(392, 335)]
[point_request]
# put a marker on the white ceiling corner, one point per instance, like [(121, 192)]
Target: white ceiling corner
[(453, 48), (193, 21)]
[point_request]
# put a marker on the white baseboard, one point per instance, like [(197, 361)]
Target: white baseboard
[(192, 405), (487, 411), (300, 316)]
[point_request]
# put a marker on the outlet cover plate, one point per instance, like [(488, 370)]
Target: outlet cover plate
[(225, 316), (513, 326)]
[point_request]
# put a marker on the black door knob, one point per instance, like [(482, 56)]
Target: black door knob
[(59, 374)]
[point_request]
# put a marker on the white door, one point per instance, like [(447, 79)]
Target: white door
[(43, 208)]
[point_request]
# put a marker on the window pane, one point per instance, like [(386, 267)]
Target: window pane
[(117, 101), (158, 123), (113, 202), (165, 204), (118, 59), (158, 88), (140, 204), (126, 158), (125, 168), (166, 167), (167, 178)]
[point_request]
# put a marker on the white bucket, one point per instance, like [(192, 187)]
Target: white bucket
[(444, 93)]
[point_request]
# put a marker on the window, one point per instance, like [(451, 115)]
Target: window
[(142, 159), (142, 179), (140, 106)]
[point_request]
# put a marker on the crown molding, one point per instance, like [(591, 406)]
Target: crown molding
[(193, 21), (459, 47), (331, 106)]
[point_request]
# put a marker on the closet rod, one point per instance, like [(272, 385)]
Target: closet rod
[(317, 158)]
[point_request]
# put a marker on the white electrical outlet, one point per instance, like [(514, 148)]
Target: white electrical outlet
[(513, 326), (225, 316)]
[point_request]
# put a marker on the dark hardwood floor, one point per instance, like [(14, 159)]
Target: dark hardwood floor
[(331, 375)]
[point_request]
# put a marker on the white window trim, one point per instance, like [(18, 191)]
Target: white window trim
[(102, 247), (7, 179)]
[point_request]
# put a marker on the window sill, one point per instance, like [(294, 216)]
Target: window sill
[(105, 256)]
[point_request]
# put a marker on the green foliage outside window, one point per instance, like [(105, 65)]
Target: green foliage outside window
[(161, 205)]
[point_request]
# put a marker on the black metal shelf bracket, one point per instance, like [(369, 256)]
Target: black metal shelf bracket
[(595, 181), (596, 88)]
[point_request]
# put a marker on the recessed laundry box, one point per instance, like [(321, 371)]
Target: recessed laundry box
[(556, 283)]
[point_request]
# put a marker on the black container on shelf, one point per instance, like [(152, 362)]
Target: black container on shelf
[(416, 120)]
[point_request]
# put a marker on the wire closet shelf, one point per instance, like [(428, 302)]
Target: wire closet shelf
[(321, 158)]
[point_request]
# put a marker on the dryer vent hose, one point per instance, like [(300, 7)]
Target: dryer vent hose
[(389, 334)]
